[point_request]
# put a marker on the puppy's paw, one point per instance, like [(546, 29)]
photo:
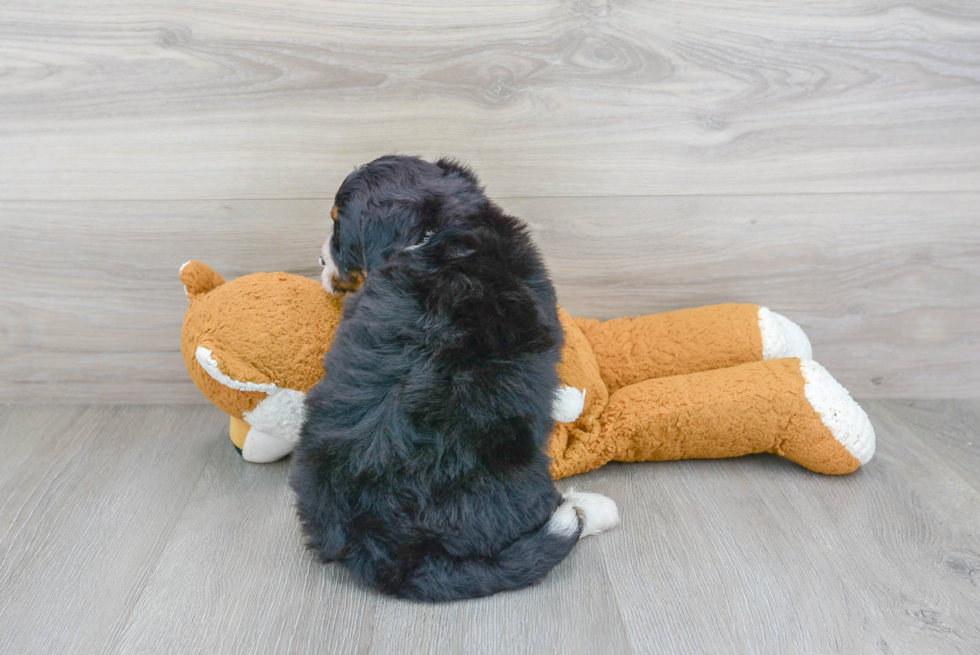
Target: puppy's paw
[(568, 404), (596, 512)]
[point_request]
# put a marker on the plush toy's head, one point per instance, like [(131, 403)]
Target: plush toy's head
[(255, 345), (255, 335)]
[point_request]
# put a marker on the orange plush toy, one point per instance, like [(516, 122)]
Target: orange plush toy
[(709, 382)]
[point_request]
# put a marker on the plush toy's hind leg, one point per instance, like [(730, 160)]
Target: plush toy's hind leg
[(791, 407), (631, 350)]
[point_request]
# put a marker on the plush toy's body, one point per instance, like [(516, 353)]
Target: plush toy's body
[(718, 381)]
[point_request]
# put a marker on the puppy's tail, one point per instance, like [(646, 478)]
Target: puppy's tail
[(524, 562)]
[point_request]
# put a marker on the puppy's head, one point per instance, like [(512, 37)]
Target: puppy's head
[(390, 204)]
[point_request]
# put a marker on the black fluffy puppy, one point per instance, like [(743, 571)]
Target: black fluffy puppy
[(420, 464)]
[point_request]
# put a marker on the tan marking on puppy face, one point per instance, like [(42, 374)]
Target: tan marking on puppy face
[(330, 276), (351, 285)]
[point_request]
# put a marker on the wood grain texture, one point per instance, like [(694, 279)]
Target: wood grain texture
[(236, 564), (92, 305), (574, 610), (179, 99), (139, 529), (887, 286), (878, 561), (86, 504), (951, 429), (706, 537), (234, 577)]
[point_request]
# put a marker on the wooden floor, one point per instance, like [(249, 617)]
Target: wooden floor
[(138, 529)]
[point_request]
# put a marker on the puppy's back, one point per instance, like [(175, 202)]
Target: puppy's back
[(420, 466)]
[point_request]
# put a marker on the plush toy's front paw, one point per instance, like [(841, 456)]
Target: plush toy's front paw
[(257, 446), (271, 430), (279, 414), (568, 404), (262, 448)]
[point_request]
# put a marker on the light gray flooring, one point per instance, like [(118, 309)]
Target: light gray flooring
[(137, 529)]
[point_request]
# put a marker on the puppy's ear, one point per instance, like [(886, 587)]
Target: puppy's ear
[(394, 227), (453, 167)]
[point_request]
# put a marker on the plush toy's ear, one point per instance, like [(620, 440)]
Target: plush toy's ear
[(198, 278)]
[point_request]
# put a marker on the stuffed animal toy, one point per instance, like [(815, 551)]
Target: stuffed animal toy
[(709, 382)]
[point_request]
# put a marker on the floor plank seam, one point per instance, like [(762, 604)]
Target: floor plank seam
[(973, 484), (619, 609), (58, 463), (119, 628)]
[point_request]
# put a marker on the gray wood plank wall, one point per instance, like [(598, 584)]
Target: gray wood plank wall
[(821, 159)]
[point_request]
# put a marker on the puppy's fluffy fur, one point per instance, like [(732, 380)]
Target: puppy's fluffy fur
[(420, 464)]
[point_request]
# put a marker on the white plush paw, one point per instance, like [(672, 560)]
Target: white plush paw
[(782, 337), (279, 414), (262, 448), (275, 426), (845, 419), (568, 405)]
